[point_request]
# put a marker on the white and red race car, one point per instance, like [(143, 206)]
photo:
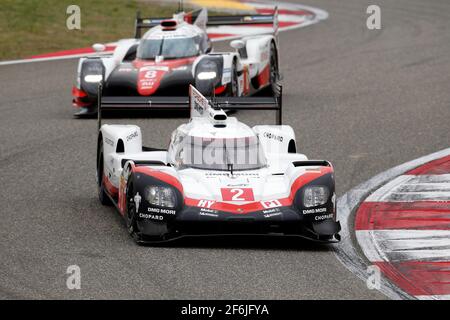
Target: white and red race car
[(176, 52), (217, 177)]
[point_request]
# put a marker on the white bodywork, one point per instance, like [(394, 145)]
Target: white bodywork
[(271, 181)]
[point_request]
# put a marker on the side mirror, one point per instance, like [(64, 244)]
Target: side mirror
[(98, 47), (237, 44)]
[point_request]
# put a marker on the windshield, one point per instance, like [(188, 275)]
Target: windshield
[(221, 154), (171, 48)]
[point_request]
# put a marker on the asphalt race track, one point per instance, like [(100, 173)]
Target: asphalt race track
[(365, 100)]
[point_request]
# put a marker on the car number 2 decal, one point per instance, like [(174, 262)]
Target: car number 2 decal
[(237, 194)]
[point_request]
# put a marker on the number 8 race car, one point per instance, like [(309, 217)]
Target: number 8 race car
[(218, 177), (175, 53)]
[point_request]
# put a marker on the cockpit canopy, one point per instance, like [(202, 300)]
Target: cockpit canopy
[(244, 153), (169, 48), (183, 42)]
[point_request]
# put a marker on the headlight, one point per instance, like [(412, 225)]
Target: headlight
[(160, 196), (315, 196), (207, 75), (93, 78)]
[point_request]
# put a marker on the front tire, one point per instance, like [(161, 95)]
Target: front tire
[(102, 196), (130, 216)]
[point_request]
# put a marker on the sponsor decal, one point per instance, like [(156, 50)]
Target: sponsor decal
[(125, 69), (137, 201), (238, 185), (317, 210), (151, 216), (270, 215), (227, 174), (163, 211), (109, 142), (149, 80), (271, 211), (199, 104), (207, 214), (132, 136), (208, 210), (205, 203), (271, 204), (273, 136), (153, 69), (323, 217)]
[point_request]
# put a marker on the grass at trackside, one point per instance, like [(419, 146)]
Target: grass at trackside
[(31, 27)]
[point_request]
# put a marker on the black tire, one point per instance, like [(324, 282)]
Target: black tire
[(274, 71), (102, 196), (131, 221), (130, 215), (233, 86)]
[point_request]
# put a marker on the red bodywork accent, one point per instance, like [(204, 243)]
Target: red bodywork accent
[(151, 73), (78, 93), (220, 89), (220, 35), (188, 17), (264, 76), (257, 205), (110, 188)]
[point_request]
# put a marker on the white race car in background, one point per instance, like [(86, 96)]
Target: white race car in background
[(175, 53), (218, 177)]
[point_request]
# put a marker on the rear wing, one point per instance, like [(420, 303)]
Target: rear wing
[(111, 103), (191, 17)]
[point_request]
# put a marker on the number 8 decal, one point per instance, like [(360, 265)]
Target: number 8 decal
[(150, 74)]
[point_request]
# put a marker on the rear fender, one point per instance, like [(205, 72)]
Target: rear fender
[(258, 50), (118, 140), (276, 139), (121, 139)]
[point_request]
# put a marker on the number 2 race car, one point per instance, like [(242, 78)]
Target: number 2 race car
[(175, 53), (218, 176)]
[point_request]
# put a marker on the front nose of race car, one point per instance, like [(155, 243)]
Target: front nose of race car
[(309, 212)]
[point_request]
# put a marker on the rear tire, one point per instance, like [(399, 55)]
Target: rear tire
[(233, 86), (102, 196), (274, 71)]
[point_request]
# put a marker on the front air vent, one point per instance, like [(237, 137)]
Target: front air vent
[(144, 162), (220, 117), (312, 163)]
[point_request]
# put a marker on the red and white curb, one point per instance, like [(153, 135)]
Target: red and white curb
[(291, 16), (403, 227)]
